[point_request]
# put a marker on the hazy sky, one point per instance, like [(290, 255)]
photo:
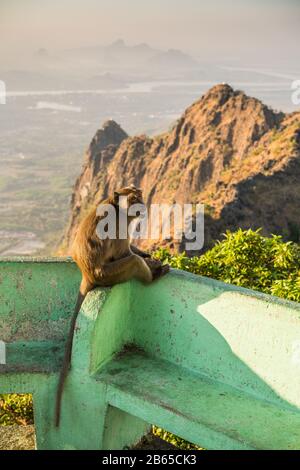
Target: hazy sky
[(203, 27)]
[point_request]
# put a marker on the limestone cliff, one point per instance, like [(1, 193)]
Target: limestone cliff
[(228, 150)]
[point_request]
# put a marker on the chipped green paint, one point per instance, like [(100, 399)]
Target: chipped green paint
[(216, 364)]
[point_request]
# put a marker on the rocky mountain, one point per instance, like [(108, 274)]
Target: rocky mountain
[(228, 150)]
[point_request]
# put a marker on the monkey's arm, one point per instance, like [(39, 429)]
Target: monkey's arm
[(132, 266), (139, 252), (121, 270)]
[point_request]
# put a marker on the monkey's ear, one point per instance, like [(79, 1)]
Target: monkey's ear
[(116, 197)]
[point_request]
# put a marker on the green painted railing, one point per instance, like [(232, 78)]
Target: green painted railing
[(215, 364)]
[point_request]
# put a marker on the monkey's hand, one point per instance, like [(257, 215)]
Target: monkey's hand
[(157, 268)]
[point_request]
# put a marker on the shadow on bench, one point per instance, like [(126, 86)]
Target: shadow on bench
[(205, 411)]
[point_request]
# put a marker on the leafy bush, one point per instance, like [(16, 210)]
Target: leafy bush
[(247, 259), (244, 258), (16, 409)]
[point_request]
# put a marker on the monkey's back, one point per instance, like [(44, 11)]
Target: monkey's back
[(91, 253)]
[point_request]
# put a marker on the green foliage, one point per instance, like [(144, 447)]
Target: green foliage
[(175, 440), (247, 259), (16, 409)]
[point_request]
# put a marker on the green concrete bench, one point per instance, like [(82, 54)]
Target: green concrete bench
[(212, 363), (201, 410)]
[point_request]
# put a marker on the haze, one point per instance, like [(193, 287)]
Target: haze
[(69, 65), (264, 29)]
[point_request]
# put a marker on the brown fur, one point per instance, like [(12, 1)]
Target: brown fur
[(105, 263)]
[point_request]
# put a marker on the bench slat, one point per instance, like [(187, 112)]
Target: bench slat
[(208, 413)]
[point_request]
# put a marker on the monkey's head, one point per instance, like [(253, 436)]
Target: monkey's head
[(126, 197)]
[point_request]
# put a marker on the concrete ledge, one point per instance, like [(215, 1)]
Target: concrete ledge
[(241, 339)]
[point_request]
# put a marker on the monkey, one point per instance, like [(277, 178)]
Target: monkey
[(104, 263)]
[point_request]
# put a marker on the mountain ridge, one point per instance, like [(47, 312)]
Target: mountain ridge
[(228, 150)]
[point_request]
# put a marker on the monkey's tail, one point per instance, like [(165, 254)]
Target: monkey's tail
[(67, 359)]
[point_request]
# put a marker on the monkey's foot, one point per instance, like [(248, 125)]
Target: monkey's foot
[(153, 263), (161, 271), (157, 268)]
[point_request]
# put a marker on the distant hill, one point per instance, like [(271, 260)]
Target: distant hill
[(228, 150), (120, 54)]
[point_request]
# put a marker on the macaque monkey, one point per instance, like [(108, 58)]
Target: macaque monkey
[(105, 262)]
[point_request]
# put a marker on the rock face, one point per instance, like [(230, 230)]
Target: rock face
[(228, 151), (97, 159)]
